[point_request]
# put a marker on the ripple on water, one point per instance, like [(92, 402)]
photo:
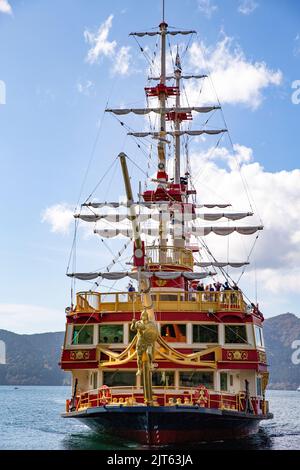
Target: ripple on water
[(31, 420)]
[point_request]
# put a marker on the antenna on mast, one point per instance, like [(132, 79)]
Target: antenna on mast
[(163, 10)]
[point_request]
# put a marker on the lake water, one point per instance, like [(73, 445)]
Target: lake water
[(30, 419)]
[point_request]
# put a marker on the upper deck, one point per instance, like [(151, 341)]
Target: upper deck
[(164, 301), (164, 256)]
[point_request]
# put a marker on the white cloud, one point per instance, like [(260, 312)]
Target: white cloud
[(100, 45), (207, 7), (5, 7), (85, 88), (236, 79), (246, 7), (277, 199), (60, 217), (29, 319), (122, 61)]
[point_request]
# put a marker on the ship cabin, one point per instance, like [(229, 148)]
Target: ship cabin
[(211, 351)]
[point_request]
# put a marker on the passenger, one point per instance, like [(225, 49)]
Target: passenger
[(131, 287), (131, 291), (211, 296), (218, 286), (116, 339), (207, 295), (191, 296), (226, 287), (233, 296), (200, 288), (105, 339)]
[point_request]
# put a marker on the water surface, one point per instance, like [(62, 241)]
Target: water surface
[(30, 419)]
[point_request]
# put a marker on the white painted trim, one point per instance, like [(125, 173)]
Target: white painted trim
[(95, 336)]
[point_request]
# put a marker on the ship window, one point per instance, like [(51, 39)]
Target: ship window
[(224, 381), (259, 386), (235, 334), (259, 336), (119, 379), (163, 379), (193, 379), (94, 380), (111, 334), (83, 334), (173, 333), (205, 334)]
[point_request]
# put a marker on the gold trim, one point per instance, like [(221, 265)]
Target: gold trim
[(237, 355)]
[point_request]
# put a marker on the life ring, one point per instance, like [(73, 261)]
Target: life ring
[(104, 394), (68, 406), (201, 395)]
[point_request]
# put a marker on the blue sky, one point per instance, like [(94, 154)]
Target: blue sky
[(55, 98)]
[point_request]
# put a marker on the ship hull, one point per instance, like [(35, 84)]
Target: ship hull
[(169, 425)]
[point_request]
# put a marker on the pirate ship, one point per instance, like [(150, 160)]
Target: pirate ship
[(171, 361)]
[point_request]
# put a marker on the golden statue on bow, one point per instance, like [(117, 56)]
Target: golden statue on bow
[(147, 334)]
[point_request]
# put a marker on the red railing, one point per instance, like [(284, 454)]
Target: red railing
[(127, 396)]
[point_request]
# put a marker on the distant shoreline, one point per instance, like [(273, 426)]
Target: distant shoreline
[(60, 385)]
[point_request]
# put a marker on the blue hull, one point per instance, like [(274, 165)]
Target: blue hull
[(169, 425)]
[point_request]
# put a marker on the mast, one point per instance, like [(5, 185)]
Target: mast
[(177, 123), (162, 100)]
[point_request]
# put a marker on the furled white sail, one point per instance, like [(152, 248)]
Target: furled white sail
[(151, 205), (178, 133), (196, 231), (142, 111), (114, 276), (165, 216), (218, 264), (173, 77), (223, 231), (157, 33)]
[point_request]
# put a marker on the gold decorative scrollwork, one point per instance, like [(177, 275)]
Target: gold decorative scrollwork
[(262, 357), (79, 355), (237, 355)]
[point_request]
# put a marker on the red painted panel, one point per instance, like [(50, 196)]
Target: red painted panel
[(97, 317), (239, 355), (79, 365), (78, 355), (237, 365)]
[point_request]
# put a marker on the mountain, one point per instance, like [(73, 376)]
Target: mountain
[(280, 332), (32, 359)]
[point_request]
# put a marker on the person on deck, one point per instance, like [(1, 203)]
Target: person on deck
[(234, 296), (131, 291), (191, 296), (200, 287), (226, 287), (218, 286)]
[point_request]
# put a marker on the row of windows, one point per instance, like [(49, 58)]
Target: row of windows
[(167, 379), (172, 333), (160, 379)]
